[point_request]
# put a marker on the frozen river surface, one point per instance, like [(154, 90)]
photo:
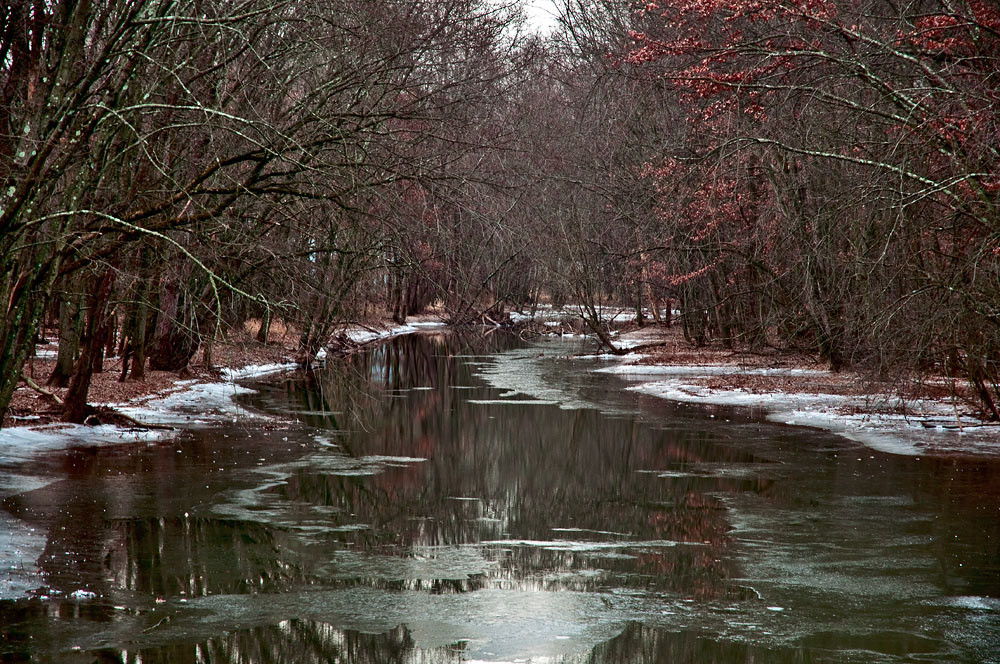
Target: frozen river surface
[(447, 498)]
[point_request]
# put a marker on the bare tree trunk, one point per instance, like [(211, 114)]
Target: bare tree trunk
[(95, 335), (977, 378), (174, 344), (26, 301), (593, 320), (639, 317), (139, 344), (70, 329), (265, 326)]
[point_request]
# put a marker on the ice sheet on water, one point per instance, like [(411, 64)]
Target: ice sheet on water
[(492, 625), (21, 546), (261, 503), (588, 530), (583, 546), (424, 563), (972, 602), (22, 444), (331, 462), (348, 528), (523, 372)]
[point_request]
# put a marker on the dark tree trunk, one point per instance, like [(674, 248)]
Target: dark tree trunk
[(265, 327), (640, 319), (174, 343), (140, 341), (94, 337), (976, 373), (399, 305), (27, 296), (70, 328)]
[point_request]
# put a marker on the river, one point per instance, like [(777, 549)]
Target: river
[(450, 498)]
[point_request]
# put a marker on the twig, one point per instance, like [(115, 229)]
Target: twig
[(158, 623)]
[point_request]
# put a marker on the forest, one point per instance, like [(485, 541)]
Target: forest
[(810, 175)]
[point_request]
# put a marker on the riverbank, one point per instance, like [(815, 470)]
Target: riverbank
[(200, 392), (932, 416)]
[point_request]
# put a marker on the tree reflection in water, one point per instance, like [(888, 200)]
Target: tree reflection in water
[(551, 497), (410, 492), (308, 642), (300, 641)]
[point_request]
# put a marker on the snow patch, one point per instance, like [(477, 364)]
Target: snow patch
[(363, 336), (514, 402), (198, 405), (704, 370), (257, 371), (893, 434), (22, 444)]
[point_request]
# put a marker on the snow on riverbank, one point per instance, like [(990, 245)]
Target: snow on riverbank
[(188, 402), (194, 403), (363, 336), (929, 428), (546, 314)]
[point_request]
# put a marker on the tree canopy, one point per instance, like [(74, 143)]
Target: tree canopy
[(810, 174)]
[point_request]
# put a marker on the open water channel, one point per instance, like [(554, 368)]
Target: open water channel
[(447, 498)]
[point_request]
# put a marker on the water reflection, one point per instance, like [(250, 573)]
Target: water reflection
[(552, 496), (304, 641), (309, 641), (426, 501)]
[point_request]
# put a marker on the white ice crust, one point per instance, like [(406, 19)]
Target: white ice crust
[(929, 427), (363, 336)]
